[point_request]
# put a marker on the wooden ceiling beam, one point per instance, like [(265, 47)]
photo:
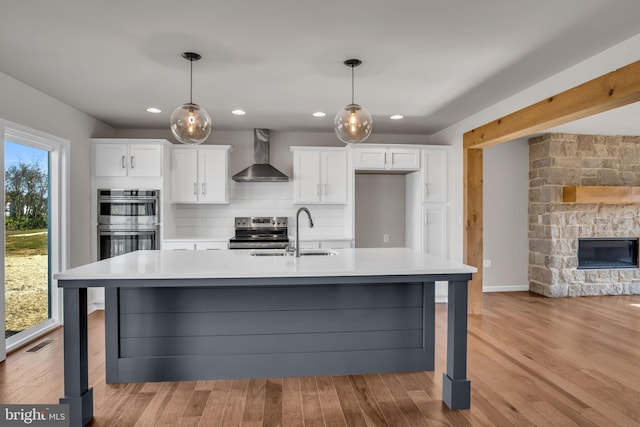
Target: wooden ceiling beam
[(609, 91)]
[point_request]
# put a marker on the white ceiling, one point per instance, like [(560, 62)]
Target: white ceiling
[(434, 61)]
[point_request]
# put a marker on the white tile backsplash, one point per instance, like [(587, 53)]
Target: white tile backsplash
[(257, 199)]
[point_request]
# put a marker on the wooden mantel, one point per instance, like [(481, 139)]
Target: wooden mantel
[(600, 194)]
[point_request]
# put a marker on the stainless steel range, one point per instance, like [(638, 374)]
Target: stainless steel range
[(260, 232)]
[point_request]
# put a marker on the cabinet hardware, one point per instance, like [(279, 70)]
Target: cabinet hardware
[(133, 163), (318, 190), (123, 165), (204, 188), (195, 188), (326, 189)]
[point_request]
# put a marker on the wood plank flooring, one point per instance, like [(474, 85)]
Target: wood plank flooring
[(532, 361)]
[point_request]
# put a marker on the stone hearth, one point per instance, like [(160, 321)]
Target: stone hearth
[(557, 160)]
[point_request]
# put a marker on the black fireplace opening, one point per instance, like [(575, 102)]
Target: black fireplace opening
[(607, 253)]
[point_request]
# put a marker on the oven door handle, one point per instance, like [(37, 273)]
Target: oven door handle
[(138, 200)]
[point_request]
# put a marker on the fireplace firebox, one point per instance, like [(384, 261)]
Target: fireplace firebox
[(607, 253)]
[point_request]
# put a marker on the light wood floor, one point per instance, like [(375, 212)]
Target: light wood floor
[(532, 361)]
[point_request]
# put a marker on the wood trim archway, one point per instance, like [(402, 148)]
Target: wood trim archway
[(615, 89)]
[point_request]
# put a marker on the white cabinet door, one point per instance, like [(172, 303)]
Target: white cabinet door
[(199, 175), (337, 244), (212, 176), (320, 176), (435, 230), (110, 160), (334, 177), (398, 159), (387, 159), (435, 176), (145, 160), (306, 176), (371, 159), (211, 246), (124, 159), (184, 176), (177, 246)]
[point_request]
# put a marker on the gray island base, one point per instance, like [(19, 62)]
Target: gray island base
[(178, 316)]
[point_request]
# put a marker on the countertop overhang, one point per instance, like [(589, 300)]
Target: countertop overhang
[(238, 264)]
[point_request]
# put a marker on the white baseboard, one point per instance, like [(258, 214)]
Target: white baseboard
[(509, 288), (95, 306)]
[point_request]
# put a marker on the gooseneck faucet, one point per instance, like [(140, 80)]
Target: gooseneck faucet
[(303, 209)]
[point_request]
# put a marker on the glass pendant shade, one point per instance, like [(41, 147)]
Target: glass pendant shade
[(190, 124), (353, 124)]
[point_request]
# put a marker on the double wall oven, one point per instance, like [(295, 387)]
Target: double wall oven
[(128, 220)]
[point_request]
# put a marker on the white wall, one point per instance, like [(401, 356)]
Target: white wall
[(506, 197), (26, 106), (379, 209), (607, 61)]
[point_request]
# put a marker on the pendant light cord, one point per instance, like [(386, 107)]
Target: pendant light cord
[(352, 90), (191, 82)]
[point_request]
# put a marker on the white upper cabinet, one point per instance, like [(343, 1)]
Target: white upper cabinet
[(435, 230), (386, 158), (435, 189), (120, 158), (199, 175), (320, 175)]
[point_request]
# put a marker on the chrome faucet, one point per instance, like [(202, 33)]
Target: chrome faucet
[(303, 209)]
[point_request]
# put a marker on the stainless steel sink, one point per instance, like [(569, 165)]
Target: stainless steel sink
[(270, 253), (304, 252), (316, 252)]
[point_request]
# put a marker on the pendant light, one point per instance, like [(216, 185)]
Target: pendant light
[(190, 123), (353, 123)]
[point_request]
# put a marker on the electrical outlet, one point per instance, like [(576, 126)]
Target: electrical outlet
[(385, 238), (486, 263)]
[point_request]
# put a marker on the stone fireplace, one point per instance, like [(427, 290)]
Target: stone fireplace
[(559, 160)]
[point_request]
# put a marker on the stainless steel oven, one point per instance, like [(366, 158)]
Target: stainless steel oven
[(128, 220), (260, 233), (128, 207)]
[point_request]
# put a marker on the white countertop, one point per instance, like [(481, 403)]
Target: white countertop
[(239, 264)]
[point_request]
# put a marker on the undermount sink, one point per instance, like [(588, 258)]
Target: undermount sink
[(304, 252), (270, 253), (321, 252)]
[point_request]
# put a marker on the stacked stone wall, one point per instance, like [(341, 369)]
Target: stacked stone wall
[(558, 160)]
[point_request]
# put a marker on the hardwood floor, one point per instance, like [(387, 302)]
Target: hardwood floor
[(532, 361)]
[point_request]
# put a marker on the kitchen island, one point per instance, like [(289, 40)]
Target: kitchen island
[(199, 315)]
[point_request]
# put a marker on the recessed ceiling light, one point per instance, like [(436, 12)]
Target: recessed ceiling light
[(396, 117), (154, 110), (239, 112), (319, 114)]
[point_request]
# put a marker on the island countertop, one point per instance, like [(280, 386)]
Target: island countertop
[(238, 264), (203, 315)]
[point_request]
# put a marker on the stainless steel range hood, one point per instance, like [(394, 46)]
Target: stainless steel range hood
[(261, 170)]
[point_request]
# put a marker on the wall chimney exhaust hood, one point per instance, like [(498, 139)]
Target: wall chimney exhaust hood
[(261, 170)]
